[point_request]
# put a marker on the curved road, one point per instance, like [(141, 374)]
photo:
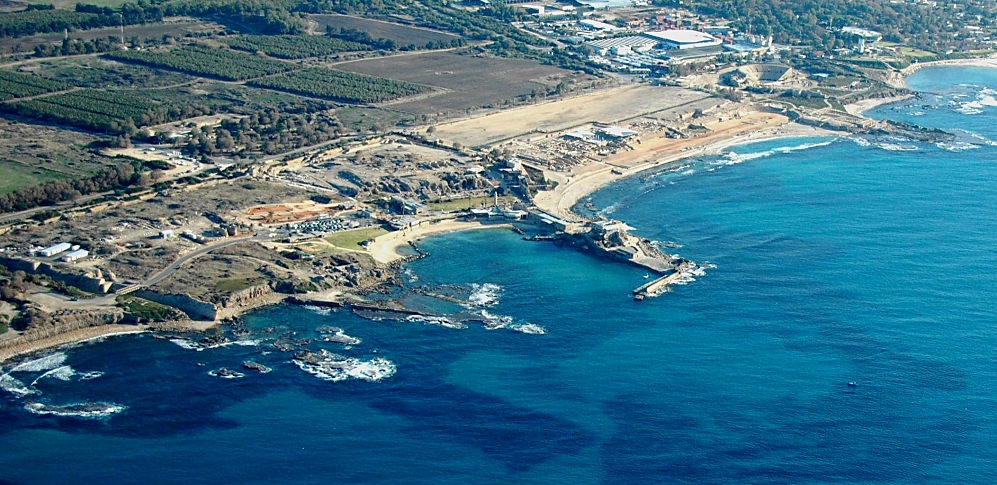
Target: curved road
[(168, 270)]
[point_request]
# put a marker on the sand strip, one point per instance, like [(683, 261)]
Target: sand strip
[(389, 247)]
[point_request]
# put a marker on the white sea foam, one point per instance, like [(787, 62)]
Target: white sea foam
[(495, 321), (41, 364), (188, 344), (63, 373), (238, 343), (86, 376), (484, 295), (734, 158), (434, 320), (896, 147), (15, 386), (321, 310), (225, 373), (89, 410), (529, 328), (335, 368), (956, 146)]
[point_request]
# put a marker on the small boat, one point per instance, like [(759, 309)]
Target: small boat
[(646, 276), (852, 384)]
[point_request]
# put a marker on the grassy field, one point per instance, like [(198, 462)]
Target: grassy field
[(401, 34), (17, 175), (468, 81), (34, 154), (232, 284), (920, 55), (145, 309), (351, 239)]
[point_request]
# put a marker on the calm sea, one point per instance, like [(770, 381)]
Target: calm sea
[(847, 334)]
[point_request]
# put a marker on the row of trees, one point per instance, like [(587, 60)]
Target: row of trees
[(18, 85), (436, 14), (294, 46), (96, 110), (43, 20), (110, 178), (204, 61)]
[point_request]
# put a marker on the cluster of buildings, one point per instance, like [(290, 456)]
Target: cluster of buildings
[(626, 37), (75, 252), (645, 51)]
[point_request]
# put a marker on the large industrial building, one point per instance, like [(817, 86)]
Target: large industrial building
[(683, 39)]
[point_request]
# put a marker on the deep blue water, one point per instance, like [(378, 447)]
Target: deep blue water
[(837, 260)]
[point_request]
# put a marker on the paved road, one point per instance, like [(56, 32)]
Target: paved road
[(167, 271)]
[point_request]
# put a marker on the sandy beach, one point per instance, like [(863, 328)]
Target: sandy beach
[(651, 153), (390, 247), (977, 62)]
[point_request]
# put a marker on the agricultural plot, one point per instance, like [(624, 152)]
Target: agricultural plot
[(96, 72), (402, 34), (203, 61), (340, 86), (16, 85), (294, 46), (92, 109), (470, 82)]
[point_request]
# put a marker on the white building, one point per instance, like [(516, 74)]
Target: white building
[(618, 45), (75, 255), (683, 39), (54, 249), (597, 25)]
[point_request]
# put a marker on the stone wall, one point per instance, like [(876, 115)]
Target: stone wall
[(194, 308)]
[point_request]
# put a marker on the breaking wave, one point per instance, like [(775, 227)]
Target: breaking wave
[(321, 310), (335, 368), (434, 320), (88, 410), (957, 146), (63, 373), (496, 322), (484, 295), (41, 364), (734, 158), (15, 386), (530, 328)]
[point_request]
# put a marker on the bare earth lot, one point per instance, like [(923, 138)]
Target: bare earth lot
[(401, 34), (607, 106), (469, 81)]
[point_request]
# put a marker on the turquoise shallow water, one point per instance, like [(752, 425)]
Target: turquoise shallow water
[(837, 260)]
